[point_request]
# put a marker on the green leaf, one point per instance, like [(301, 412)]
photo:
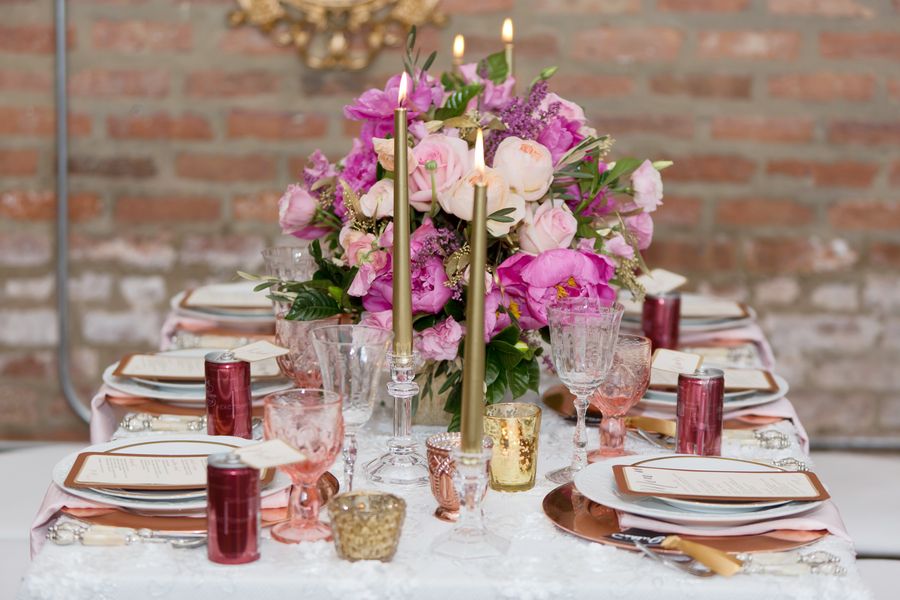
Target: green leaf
[(428, 61), (495, 391), (509, 334), (623, 166), (312, 304), (544, 75), (518, 379), (264, 286), (491, 368), (502, 215), (455, 309), (497, 68), (457, 101), (454, 422), (451, 81), (534, 375), (423, 322), (508, 354)]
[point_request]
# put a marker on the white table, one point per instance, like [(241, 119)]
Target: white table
[(543, 562)]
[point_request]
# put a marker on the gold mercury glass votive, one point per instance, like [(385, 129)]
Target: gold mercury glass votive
[(441, 468), (514, 427), (366, 525)]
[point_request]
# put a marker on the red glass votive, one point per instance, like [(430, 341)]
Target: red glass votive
[(660, 318), (228, 398), (232, 510), (701, 399)]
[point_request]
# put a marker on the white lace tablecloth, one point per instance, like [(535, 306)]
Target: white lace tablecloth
[(542, 563)]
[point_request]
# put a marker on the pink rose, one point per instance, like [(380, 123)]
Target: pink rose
[(440, 342), (458, 201), (617, 246), (648, 186), (440, 161), (378, 202), (361, 251), (384, 148), (641, 225), (550, 225), (296, 212), (526, 165), (356, 245)]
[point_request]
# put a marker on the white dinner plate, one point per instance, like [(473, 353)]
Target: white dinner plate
[(159, 445), (661, 399), (223, 315), (598, 483)]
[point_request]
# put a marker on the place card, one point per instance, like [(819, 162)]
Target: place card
[(660, 281), (735, 380), (268, 454), (261, 350), (728, 486), (137, 471), (163, 367), (674, 361), (708, 307), (228, 296)]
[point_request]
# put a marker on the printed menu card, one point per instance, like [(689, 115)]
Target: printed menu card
[(138, 471), (181, 368)]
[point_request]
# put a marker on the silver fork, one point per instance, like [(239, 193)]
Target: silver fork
[(691, 567)]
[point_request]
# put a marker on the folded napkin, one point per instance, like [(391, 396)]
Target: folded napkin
[(825, 517), (751, 332), (175, 322), (105, 417)]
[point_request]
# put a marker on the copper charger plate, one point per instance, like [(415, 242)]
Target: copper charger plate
[(576, 514)]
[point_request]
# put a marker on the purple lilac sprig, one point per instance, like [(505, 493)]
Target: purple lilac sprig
[(523, 118), (439, 242)]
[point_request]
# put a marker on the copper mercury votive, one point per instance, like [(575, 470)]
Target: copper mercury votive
[(698, 423), (232, 510), (366, 525), (660, 319), (441, 468)]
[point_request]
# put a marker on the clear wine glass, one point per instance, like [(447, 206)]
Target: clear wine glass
[(582, 340), (351, 358), (310, 421), (625, 384)]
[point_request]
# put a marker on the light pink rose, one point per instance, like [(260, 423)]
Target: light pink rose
[(617, 246), (641, 225), (648, 186), (550, 225), (440, 161), (384, 148), (356, 244), (488, 279), (296, 212), (459, 200), (526, 165), (378, 202), (440, 342), (361, 251)]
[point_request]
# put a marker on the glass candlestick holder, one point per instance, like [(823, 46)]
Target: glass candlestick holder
[(402, 464), (469, 538)]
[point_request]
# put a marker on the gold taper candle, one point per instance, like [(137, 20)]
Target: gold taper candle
[(459, 51), (473, 361), (507, 34), (402, 301)]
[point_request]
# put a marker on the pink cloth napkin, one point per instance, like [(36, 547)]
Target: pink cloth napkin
[(824, 517), (105, 417)]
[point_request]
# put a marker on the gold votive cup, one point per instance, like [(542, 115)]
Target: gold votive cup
[(441, 468), (366, 525), (514, 427)]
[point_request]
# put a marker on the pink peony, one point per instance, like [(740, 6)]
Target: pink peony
[(526, 166), (429, 294), (560, 136), (494, 95), (641, 225), (566, 109), (382, 320), (495, 319), (440, 161), (648, 187), (440, 342), (617, 246), (296, 213), (550, 225), (379, 105)]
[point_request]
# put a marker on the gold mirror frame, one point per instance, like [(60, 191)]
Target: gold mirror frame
[(337, 34)]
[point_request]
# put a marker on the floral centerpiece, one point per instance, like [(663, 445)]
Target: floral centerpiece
[(563, 219)]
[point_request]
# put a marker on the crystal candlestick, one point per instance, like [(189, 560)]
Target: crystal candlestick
[(469, 538), (402, 465)]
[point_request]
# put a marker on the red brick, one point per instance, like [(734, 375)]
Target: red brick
[(865, 215), (895, 173), (125, 83), (781, 45), (763, 129), (25, 205), (538, 45), (261, 207), (31, 39), (843, 173), (885, 254), (351, 129), (692, 255), (220, 167), (711, 168), (668, 125), (276, 125), (249, 40), (825, 8), (157, 126), (215, 84), (141, 36), (157, 209), (679, 211), (823, 86), (893, 86), (112, 166), (660, 44), (797, 255), (701, 85), (591, 86), (864, 132), (869, 44), (18, 162), (39, 121), (466, 7), (608, 7), (750, 212), (702, 5), (25, 81)]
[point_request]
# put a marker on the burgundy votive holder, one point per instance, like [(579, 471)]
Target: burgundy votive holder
[(660, 319), (701, 399)]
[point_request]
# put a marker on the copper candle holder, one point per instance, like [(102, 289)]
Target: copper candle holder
[(441, 467)]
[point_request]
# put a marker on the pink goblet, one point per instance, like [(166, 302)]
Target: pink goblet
[(310, 421), (301, 363), (625, 384)]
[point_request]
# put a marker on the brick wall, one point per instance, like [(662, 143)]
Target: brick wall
[(783, 117)]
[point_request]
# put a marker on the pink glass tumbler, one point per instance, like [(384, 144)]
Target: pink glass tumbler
[(701, 397), (660, 319)]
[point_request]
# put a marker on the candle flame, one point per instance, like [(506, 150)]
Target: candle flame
[(404, 83), (479, 155), (507, 31), (459, 46)]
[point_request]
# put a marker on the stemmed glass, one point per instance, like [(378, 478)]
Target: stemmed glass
[(582, 338), (624, 385), (310, 421), (351, 358)]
